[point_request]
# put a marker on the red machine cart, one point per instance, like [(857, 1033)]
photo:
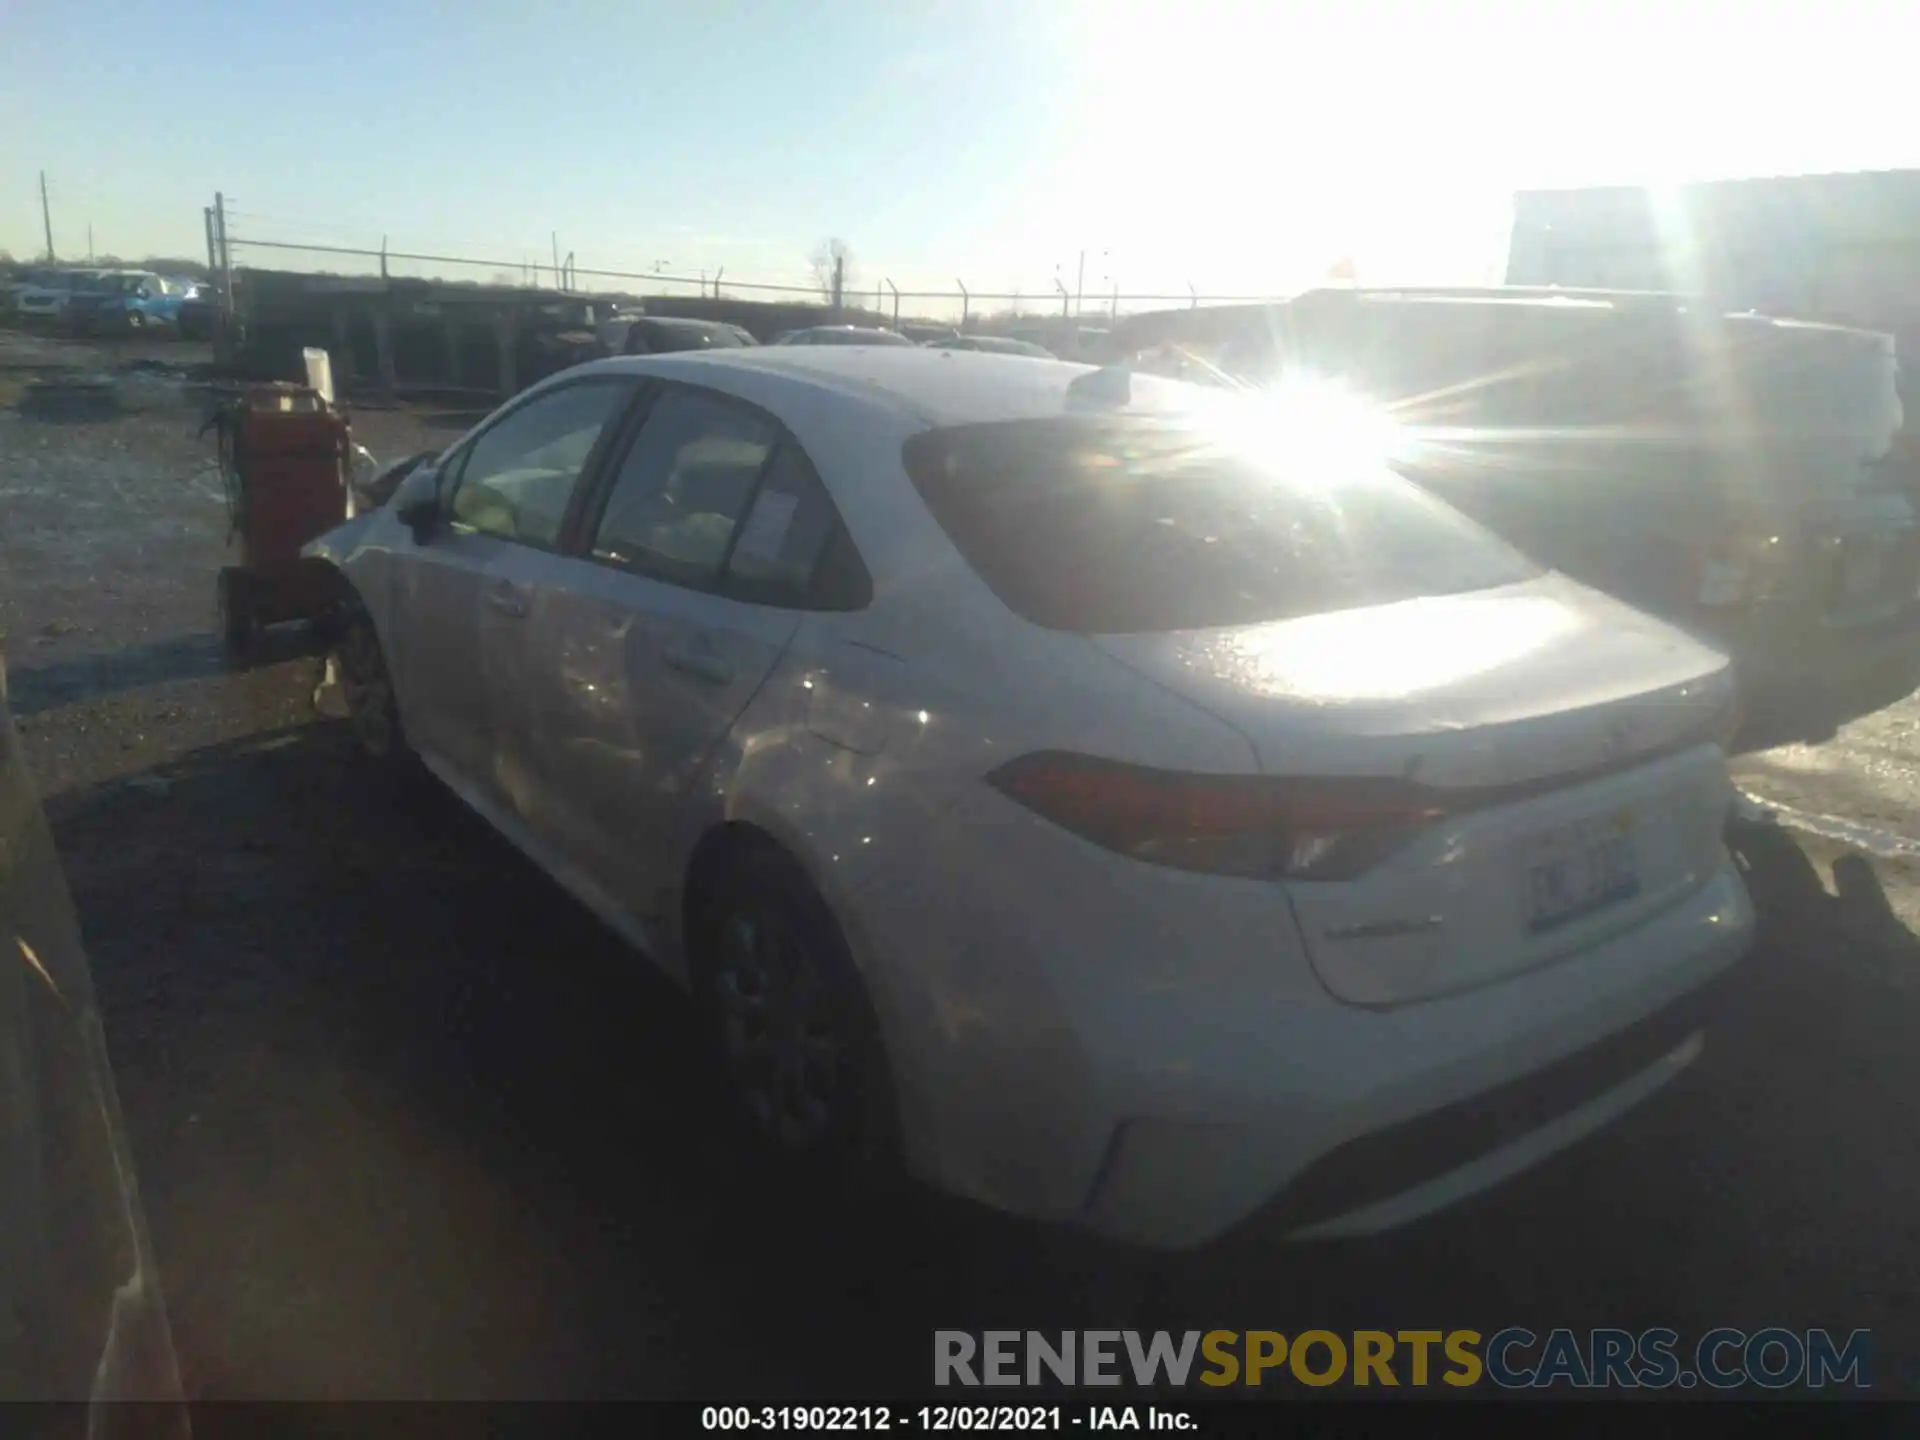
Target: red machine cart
[(285, 460)]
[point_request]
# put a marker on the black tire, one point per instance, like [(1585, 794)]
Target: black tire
[(239, 616), (373, 708), (790, 1020)]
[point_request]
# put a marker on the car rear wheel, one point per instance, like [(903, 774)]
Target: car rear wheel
[(795, 1031)]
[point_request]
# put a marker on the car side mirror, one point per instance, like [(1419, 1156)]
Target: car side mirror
[(417, 504)]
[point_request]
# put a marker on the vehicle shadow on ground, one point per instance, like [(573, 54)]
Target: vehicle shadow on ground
[(71, 400), (410, 1123), (35, 689), (1794, 905)]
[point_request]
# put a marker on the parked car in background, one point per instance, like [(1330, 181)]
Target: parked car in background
[(611, 324), (1117, 802), (1724, 472), (928, 334), (557, 335), (842, 335), (117, 302), (47, 300), (17, 280), (1088, 344), (993, 345), (663, 334), (199, 311)]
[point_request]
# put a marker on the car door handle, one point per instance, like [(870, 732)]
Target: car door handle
[(509, 602), (701, 663)]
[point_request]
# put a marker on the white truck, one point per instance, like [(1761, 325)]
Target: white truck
[(1725, 472)]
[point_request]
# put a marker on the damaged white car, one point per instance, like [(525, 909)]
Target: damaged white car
[(1103, 798)]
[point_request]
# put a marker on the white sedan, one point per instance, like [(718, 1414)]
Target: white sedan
[(1114, 801)]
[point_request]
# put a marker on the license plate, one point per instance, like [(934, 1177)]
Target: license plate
[(1577, 869)]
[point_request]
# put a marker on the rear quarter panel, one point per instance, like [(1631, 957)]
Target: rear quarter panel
[(861, 755)]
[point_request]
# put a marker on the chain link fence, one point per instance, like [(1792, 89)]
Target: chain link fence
[(962, 306)]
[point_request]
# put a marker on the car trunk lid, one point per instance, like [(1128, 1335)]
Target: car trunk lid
[(1565, 740)]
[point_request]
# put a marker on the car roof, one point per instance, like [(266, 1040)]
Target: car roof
[(682, 322), (935, 387), (987, 342)]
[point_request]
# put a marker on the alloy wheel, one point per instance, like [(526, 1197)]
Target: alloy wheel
[(781, 1035)]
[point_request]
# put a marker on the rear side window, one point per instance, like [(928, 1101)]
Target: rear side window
[(791, 549), (1106, 526), (683, 487)]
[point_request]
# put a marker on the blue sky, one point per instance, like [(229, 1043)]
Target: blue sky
[(1234, 147)]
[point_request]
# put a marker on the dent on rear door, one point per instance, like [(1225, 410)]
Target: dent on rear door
[(623, 717)]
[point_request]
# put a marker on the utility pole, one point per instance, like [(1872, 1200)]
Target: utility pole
[(213, 255), (1080, 284), (89, 242), (226, 260), (839, 280), (556, 260), (46, 216)]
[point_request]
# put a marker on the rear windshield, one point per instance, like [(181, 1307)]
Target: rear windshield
[(1101, 526)]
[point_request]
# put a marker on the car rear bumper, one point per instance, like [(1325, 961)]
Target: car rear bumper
[(1427, 1105), (1150, 1055), (1386, 1177)]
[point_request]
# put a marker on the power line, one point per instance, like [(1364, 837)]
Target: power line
[(335, 228), (329, 227)]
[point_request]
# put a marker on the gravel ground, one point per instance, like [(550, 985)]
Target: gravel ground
[(410, 1124)]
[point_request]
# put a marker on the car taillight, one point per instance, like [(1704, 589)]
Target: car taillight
[(1258, 827)]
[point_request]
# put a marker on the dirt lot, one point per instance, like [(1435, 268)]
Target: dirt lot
[(409, 1123)]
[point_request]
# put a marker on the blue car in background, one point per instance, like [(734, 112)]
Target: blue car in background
[(121, 301)]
